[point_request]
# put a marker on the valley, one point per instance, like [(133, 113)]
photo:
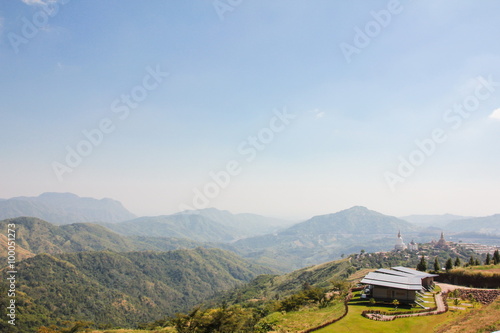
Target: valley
[(166, 272)]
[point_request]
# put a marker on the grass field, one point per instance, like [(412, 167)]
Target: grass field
[(306, 318), (485, 319), (354, 322), (485, 268)]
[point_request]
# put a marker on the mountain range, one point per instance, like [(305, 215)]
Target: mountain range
[(276, 243), (206, 225), (438, 221), (488, 225), (326, 237), (121, 272), (35, 236), (65, 208)]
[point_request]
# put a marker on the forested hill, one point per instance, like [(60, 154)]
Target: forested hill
[(35, 236), (123, 289)]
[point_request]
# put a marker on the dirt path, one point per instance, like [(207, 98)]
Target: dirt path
[(445, 287)]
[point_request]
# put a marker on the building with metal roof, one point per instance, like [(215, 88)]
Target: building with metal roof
[(397, 283)]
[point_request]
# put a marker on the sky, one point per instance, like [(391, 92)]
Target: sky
[(282, 108)]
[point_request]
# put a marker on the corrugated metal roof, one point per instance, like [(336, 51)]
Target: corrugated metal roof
[(393, 281), (391, 272), (413, 272), (393, 285)]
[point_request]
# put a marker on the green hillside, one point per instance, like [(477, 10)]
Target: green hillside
[(125, 288), (278, 286), (35, 236)]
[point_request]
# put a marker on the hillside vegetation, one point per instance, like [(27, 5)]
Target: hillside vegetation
[(123, 289), (485, 319), (35, 236), (487, 276)]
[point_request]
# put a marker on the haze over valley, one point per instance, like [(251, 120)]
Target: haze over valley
[(231, 166)]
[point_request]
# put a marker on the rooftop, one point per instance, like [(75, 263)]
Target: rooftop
[(397, 277)]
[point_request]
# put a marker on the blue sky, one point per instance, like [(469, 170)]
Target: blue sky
[(235, 70)]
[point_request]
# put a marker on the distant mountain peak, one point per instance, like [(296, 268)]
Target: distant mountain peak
[(58, 195), (204, 210), (64, 208), (359, 209)]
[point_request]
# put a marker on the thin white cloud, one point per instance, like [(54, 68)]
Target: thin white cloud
[(317, 113), (495, 114), (38, 2), (33, 2)]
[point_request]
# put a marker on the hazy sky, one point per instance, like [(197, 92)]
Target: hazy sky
[(295, 108)]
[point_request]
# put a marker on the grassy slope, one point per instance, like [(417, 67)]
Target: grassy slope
[(354, 322), (494, 269), (273, 286), (296, 321), (485, 319)]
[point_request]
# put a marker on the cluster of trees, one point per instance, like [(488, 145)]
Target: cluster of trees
[(495, 260), (489, 260), (249, 317), (221, 320), (450, 263), (314, 296), (69, 327)]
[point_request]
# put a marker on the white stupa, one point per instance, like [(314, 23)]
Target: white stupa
[(413, 246), (400, 245)]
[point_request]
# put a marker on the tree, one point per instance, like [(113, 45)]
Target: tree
[(422, 265), (488, 259), (436, 265), (449, 264), (496, 258), (395, 302), (458, 262), (471, 261)]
